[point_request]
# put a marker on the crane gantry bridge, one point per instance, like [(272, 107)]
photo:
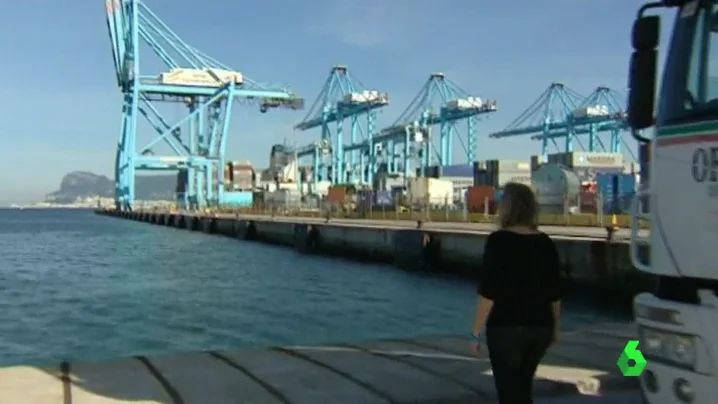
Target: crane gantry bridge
[(409, 140), (561, 113), (205, 86), (206, 89)]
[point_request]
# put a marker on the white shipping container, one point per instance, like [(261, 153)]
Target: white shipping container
[(431, 190), (595, 159), (518, 177)]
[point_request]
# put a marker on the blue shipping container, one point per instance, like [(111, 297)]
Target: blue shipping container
[(238, 199), (617, 191), (459, 170), (384, 198)]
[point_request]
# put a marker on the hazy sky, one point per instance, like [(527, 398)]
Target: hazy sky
[(61, 107)]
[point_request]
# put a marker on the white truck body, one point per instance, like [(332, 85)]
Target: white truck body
[(678, 322)]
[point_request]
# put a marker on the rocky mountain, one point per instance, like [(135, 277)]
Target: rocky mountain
[(82, 185)]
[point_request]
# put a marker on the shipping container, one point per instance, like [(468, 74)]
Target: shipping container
[(537, 161), (459, 170), (337, 193), (587, 159), (258, 199), (477, 198), (479, 165), (500, 179), (241, 199), (242, 177), (431, 191), (508, 165), (365, 200), (617, 191), (228, 173), (384, 199), (283, 198)]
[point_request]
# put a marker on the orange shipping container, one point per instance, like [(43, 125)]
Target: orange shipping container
[(337, 194), (478, 195)]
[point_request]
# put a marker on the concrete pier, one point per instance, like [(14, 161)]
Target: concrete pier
[(439, 369), (588, 258)]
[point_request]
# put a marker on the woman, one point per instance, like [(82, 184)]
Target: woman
[(519, 296)]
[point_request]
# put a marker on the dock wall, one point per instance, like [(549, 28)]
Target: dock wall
[(589, 264)]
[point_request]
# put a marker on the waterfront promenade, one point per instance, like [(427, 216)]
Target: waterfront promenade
[(432, 369)]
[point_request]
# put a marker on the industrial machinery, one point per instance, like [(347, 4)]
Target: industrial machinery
[(602, 111), (196, 143), (439, 102), (342, 97), (561, 113), (678, 322)]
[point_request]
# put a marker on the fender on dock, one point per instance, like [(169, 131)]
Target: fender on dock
[(209, 224), (306, 237), (415, 249), (245, 230)]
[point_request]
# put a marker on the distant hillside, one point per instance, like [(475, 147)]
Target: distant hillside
[(81, 185)]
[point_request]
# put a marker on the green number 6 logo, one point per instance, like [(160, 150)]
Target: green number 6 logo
[(631, 354)]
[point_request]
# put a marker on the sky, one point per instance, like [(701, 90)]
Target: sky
[(61, 106)]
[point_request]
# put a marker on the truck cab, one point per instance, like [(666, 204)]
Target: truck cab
[(678, 322)]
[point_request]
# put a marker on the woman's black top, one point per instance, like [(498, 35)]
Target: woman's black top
[(520, 273)]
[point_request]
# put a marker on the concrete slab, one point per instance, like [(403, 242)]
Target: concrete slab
[(221, 382), (397, 381), (26, 384), (300, 381), (119, 381), (437, 369)]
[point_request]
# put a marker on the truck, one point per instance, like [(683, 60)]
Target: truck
[(677, 322)]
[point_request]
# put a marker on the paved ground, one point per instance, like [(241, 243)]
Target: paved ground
[(423, 370), (560, 231)]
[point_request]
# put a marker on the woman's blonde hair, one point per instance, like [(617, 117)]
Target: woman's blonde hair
[(518, 207)]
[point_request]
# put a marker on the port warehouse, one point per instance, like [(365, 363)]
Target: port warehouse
[(355, 163)]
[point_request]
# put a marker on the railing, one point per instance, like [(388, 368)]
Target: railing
[(587, 210)]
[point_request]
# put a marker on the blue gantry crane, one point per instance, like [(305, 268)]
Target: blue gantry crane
[(548, 118), (342, 97), (602, 111), (439, 102), (205, 86)]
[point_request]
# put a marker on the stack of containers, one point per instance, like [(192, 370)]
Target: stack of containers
[(477, 198), (587, 165), (617, 191), (365, 200), (498, 173), (431, 191), (337, 194), (242, 176), (384, 199), (228, 176)]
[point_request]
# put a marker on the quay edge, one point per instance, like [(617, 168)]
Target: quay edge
[(590, 263)]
